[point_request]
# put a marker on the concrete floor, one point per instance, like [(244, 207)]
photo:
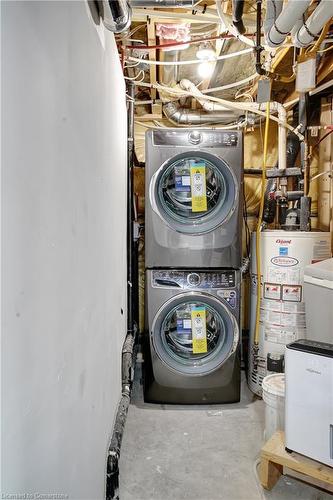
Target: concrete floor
[(198, 452)]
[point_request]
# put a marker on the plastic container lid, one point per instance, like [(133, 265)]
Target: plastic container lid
[(321, 270), (274, 384)]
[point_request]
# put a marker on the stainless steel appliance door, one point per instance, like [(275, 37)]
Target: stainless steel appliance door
[(193, 333), (194, 192)]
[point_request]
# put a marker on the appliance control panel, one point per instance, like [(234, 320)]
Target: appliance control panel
[(196, 280), (202, 138)]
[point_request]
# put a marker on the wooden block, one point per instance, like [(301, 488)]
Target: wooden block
[(274, 457), (269, 473)]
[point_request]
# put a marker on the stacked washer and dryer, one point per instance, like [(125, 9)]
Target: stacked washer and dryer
[(194, 186)]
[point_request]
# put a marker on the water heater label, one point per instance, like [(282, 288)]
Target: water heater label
[(284, 261), (272, 291), (280, 335), (292, 293), (199, 334), (282, 275)]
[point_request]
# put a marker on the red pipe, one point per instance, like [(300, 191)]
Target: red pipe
[(176, 44)]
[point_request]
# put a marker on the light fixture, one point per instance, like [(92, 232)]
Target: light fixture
[(205, 69), (206, 52)]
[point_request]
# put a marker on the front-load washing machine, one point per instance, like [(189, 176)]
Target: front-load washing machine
[(191, 346), (194, 183)]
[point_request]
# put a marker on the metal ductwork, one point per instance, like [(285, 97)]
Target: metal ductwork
[(184, 116), (115, 14), (162, 3)]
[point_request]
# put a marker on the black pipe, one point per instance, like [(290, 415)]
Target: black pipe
[(130, 211), (237, 15)]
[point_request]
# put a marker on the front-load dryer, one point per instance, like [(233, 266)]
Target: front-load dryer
[(191, 346), (194, 185)]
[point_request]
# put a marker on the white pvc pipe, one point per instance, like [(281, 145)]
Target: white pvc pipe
[(207, 105), (319, 17), (231, 85), (245, 106), (195, 61), (274, 106), (286, 21)]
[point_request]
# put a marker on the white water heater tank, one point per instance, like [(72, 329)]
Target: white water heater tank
[(284, 255)]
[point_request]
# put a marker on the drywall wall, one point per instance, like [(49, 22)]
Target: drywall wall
[(63, 248)]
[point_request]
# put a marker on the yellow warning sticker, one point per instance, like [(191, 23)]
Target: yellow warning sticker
[(199, 337), (198, 188)]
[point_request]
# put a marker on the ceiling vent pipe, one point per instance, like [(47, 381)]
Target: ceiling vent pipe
[(184, 116), (312, 26), (163, 3), (278, 26), (115, 14)]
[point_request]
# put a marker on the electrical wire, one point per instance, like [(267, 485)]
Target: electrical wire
[(136, 77), (314, 48), (231, 85), (247, 229), (127, 36), (258, 230), (160, 46), (194, 61), (319, 175), (320, 141), (325, 50)]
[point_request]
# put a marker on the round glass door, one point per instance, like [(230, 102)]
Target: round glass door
[(194, 334), (195, 192)]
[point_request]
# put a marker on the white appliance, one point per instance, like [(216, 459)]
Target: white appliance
[(284, 255), (318, 296), (309, 399)]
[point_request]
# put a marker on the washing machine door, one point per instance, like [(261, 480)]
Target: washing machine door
[(194, 333), (194, 192)]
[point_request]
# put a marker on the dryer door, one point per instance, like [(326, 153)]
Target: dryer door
[(194, 192), (194, 333)]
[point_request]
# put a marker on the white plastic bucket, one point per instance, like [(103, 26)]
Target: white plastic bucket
[(273, 387)]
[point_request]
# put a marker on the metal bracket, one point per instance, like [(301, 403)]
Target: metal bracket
[(273, 173)]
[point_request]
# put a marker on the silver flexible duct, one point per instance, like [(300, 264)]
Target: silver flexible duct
[(184, 116), (116, 15)]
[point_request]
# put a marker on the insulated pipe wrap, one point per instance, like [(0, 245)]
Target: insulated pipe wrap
[(273, 10), (312, 26), (285, 21)]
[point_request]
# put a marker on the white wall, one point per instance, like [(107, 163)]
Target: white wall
[(63, 247)]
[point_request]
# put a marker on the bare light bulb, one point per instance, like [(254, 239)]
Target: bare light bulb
[(205, 69), (206, 52)]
